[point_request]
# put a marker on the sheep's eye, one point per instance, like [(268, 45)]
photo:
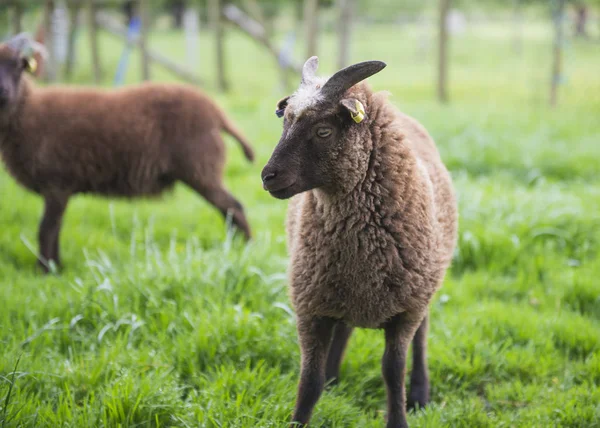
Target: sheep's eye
[(324, 132)]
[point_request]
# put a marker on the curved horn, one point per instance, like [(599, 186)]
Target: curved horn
[(309, 69), (350, 76)]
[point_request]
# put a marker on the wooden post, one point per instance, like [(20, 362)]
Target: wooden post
[(559, 41), (18, 18), (93, 29), (144, 20), (74, 8), (344, 24), (217, 26), (311, 25), (50, 62), (443, 51)]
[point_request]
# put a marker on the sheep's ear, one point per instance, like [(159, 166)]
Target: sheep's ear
[(281, 105), (355, 108)]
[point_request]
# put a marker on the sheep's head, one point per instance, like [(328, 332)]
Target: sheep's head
[(322, 128), (14, 60)]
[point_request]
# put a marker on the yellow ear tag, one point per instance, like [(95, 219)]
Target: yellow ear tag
[(31, 65), (360, 116)]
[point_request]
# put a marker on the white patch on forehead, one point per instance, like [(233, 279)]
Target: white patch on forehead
[(306, 95)]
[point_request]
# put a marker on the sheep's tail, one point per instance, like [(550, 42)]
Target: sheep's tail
[(231, 129)]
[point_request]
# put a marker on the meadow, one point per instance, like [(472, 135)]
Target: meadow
[(162, 318)]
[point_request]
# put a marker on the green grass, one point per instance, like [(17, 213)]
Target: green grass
[(161, 319)]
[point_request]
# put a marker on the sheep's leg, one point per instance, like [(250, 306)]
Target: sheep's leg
[(315, 337), (419, 377), (54, 208), (399, 331), (341, 334), (226, 204)]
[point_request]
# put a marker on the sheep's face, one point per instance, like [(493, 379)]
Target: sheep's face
[(12, 66), (317, 144), (323, 144)]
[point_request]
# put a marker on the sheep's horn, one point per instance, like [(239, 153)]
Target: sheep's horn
[(350, 76), (309, 69)]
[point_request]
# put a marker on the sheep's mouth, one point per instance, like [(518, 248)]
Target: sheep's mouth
[(283, 192)]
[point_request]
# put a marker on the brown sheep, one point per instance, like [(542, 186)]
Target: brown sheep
[(131, 142), (371, 228)]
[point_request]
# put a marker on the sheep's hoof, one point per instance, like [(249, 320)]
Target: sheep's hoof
[(418, 398), (47, 267), (332, 381)]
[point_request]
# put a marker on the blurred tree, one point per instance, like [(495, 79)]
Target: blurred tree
[(311, 25), (517, 20), (444, 8), (581, 19), (129, 9), (93, 31), (177, 9), (74, 9), (344, 31), (559, 14), (215, 12), (17, 18), (50, 62), (144, 15)]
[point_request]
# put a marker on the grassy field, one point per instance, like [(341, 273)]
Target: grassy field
[(161, 319)]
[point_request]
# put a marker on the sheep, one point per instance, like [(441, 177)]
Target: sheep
[(130, 142), (371, 227)]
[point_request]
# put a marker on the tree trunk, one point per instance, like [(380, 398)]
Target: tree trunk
[(443, 52), (145, 23), (217, 26), (298, 16), (311, 23), (129, 10), (557, 50), (74, 9), (178, 9), (517, 20), (93, 28), (344, 31), (50, 62), (581, 20), (17, 18)]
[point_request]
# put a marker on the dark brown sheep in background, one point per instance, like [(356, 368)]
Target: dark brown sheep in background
[(137, 141), (371, 228)]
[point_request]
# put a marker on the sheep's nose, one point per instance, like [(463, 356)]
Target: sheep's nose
[(267, 177)]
